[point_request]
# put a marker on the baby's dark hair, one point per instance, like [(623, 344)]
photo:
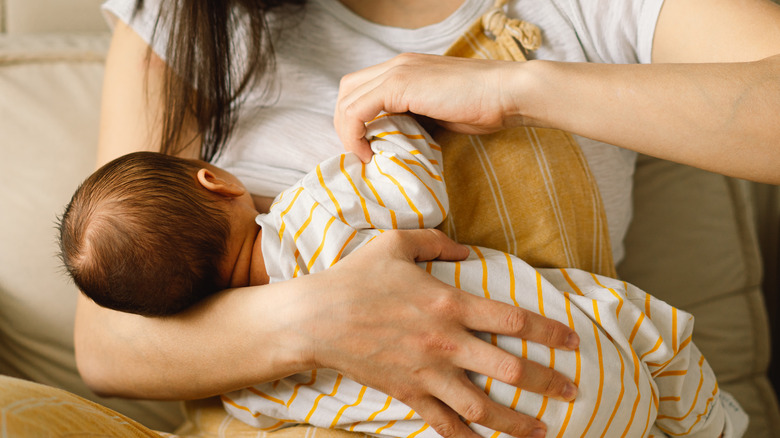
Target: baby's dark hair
[(141, 235)]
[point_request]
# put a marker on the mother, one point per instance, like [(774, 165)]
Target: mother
[(248, 114)]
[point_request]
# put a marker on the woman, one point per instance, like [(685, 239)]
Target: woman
[(718, 116)]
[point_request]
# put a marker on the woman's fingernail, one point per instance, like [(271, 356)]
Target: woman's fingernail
[(572, 341), (569, 392), (538, 433)]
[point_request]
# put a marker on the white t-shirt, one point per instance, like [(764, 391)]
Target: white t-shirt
[(287, 130)]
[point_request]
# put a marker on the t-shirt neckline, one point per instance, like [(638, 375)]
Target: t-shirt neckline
[(420, 39)]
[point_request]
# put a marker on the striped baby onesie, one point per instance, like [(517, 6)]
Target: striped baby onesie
[(637, 370)]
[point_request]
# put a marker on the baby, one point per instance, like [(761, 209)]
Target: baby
[(154, 234)]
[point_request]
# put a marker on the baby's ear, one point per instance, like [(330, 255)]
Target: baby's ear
[(213, 183)]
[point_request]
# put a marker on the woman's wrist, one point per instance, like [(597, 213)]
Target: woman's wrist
[(522, 93), (293, 317), (279, 329)]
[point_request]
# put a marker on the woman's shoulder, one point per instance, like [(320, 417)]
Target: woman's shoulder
[(592, 30), (142, 20)]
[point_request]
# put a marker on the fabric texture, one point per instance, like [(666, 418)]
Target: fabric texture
[(30, 409), (207, 419), (636, 367)]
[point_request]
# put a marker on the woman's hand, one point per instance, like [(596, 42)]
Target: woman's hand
[(464, 95), (394, 327)]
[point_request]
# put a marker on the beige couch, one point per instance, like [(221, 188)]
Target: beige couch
[(699, 240)]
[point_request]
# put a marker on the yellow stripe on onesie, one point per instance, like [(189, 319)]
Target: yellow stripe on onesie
[(636, 368)]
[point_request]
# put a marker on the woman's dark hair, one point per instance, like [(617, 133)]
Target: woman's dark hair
[(140, 235), (205, 38)]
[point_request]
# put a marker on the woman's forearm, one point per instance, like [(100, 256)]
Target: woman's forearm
[(230, 341), (720, 117), (710, 99)]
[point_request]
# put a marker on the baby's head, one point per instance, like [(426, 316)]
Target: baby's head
[(142, 235)]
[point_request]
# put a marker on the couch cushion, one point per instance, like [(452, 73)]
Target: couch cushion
[(692, 243), (48, 120), (33, 410)]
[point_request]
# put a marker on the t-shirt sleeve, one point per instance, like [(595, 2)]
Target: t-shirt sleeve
[(142, 22), (612, 31)]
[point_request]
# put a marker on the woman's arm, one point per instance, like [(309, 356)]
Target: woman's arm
[(333, 319), (206, 351), (360, 317), (718, 111), (710, 99)]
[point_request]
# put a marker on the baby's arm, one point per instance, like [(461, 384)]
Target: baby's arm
[(401, 187)]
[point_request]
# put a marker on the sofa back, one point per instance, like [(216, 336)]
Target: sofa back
[(45, 16)]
